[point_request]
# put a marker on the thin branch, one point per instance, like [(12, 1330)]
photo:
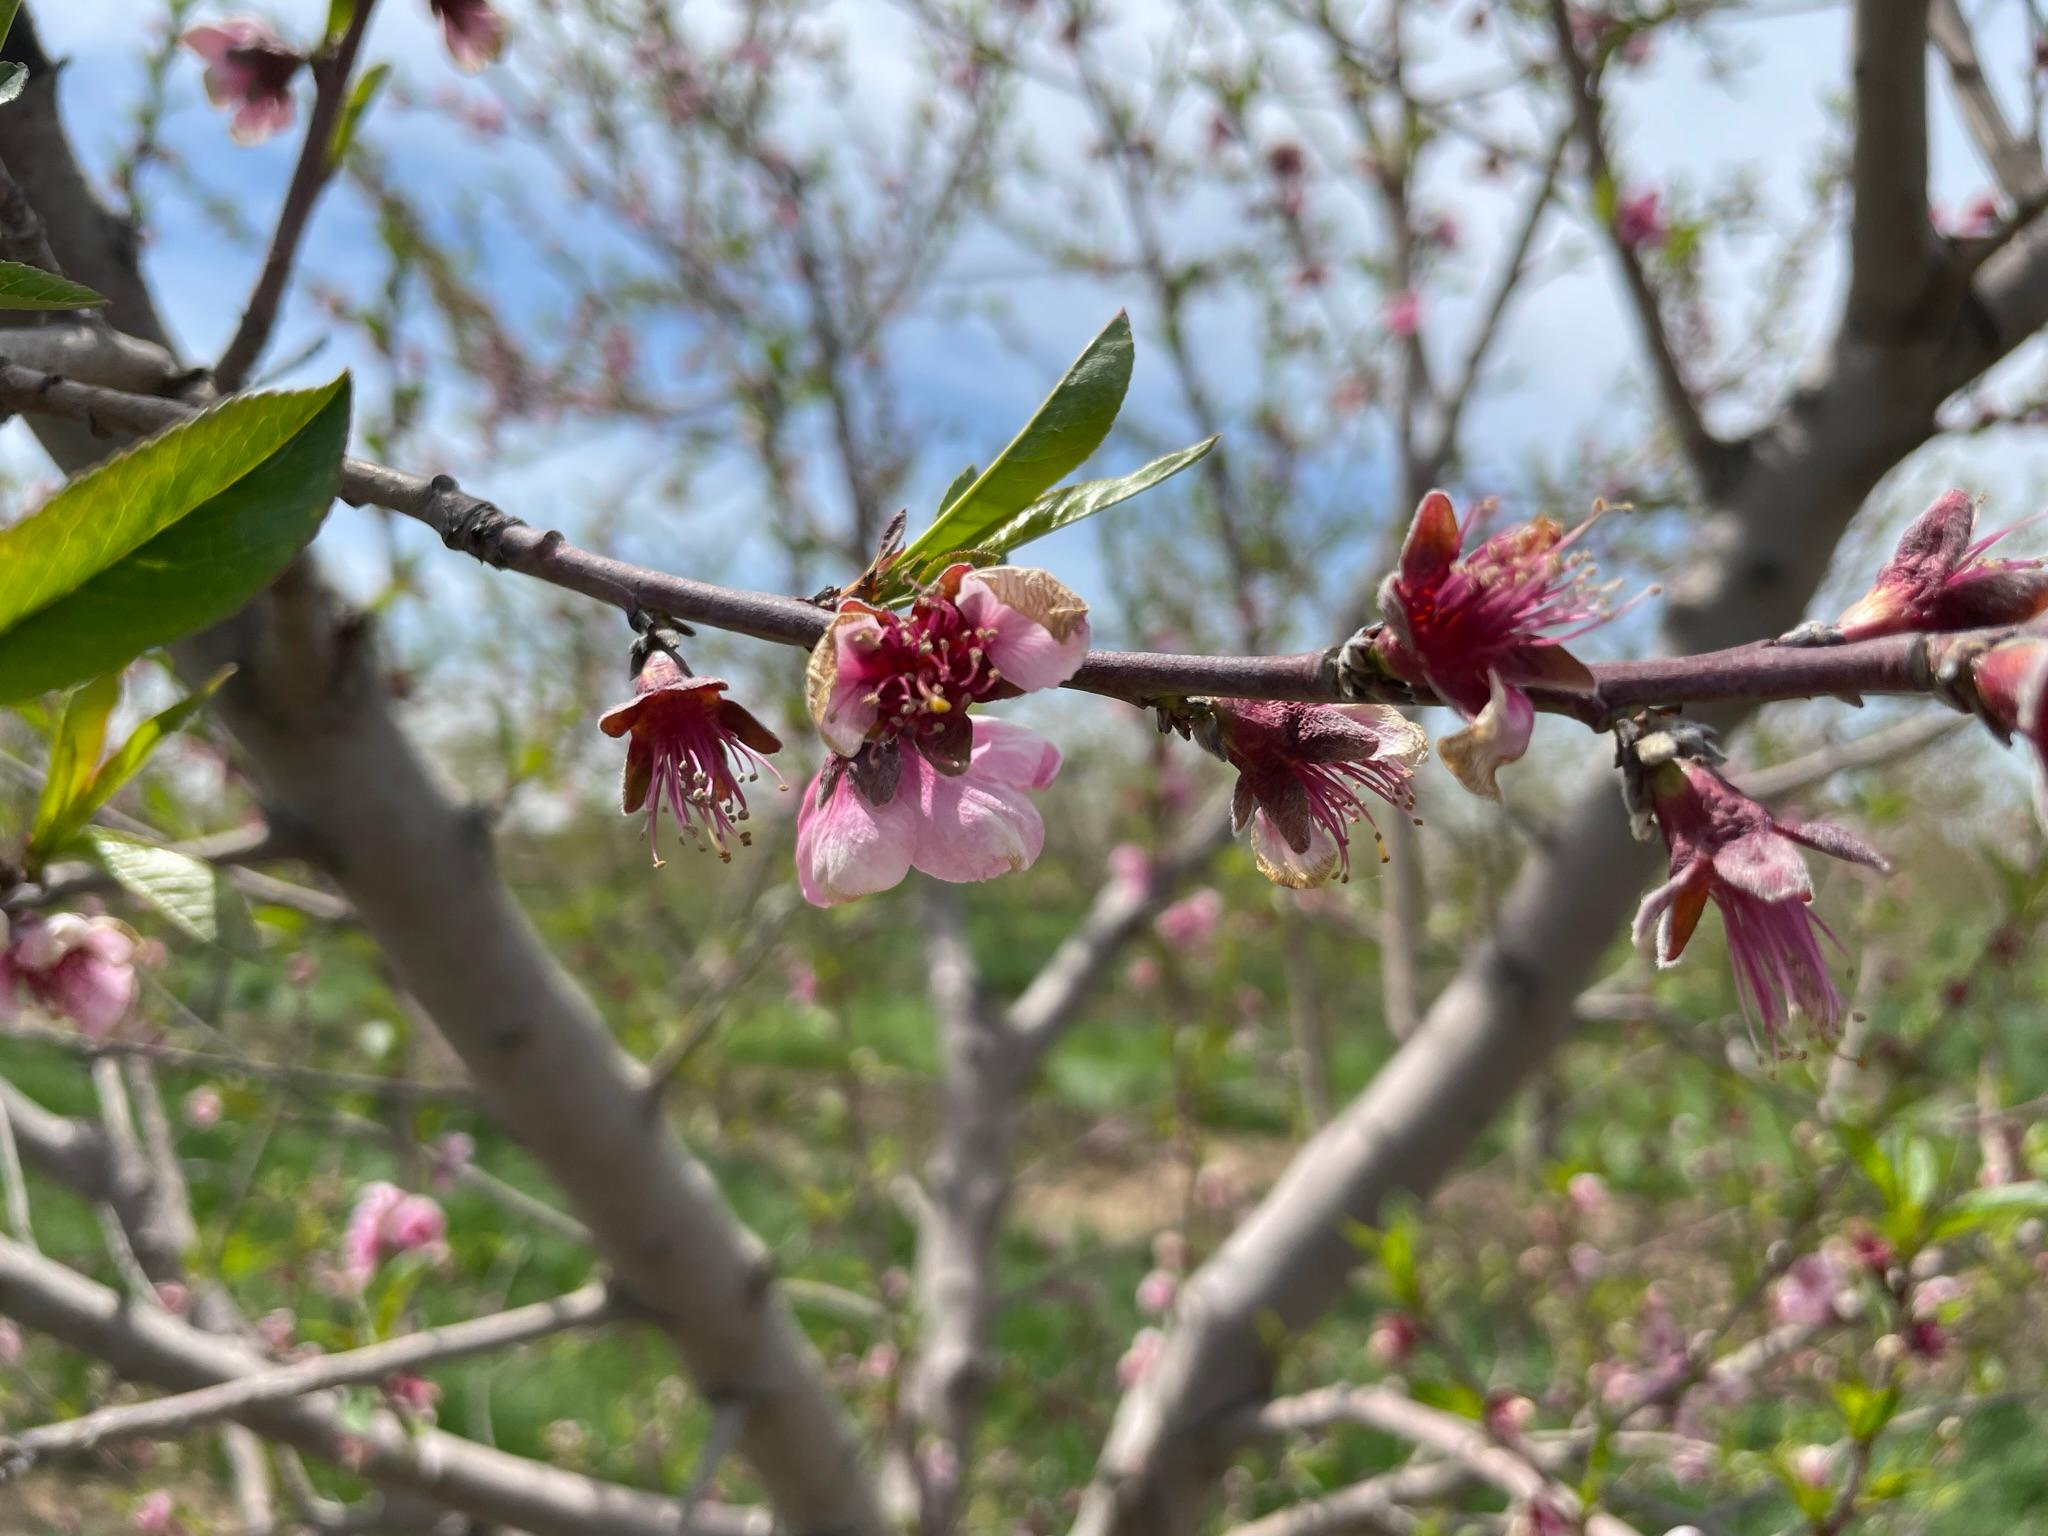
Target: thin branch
[(169, 1417), (1759, 672), (18, 1220), (331, 73), (1704, 452), (2014, 161)]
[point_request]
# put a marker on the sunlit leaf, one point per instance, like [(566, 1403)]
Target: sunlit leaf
[(196, 897), (75, 750), (26, 287), (1071, 503)]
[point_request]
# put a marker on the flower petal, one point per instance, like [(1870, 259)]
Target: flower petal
[(1764, 864), (1433, 541), (974, 828), (1010, 754), (1838, 842), (1499, 736), (1039, 626), (836, 682), (846, 847), (1314, 863)]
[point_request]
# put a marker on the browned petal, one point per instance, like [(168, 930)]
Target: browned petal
[(619, 719), (1548, 666), (638, 776), (739, 721), (1039, 595), (1684, 916)]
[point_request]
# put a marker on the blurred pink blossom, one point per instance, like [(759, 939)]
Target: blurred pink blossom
[(1142, 974), (1402, 314), (448, 1156), (474, 32), (1587, 1191), (1146, 1347), (1805, 1293), (386, 1222), (71, 966), (1190, 923), (202, 1108), (414, 1394), (1156, 1292), (1130, 866), (156, 1515), (1638, 221), (1392, 1342), (249, 68), (879, 1363), (1814, 1465), (10, 1341)]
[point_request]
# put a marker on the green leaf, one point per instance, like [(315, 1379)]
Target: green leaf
[(352, 111), (74, 755), (198, 898), (1982, 1207), (1069, 426), (168, 538), (13, 77), (339, 14), (1071, 503), (26, 287), (957, 489), (8, 8)]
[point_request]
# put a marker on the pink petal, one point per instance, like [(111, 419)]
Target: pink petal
[(1764, 864), (1010, 754), (974, 827), (1498, 736), (1838, 842), (848, 848), (259, 117), (1040, 629)]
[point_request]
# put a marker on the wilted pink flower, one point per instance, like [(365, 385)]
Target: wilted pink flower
[(883, 677), (1190, 923), (156, 1515), (1402, 314), (1805, 1294), (692, 747), (1477, 628), (1391, 1344), (1301, 769), (2012, 692), (474, 32), (867, 822), (250, 68), (1937, 579), (202, 1108), (1156, 1292), (1726, 847), (386, 1222), (448, 1156), (414, 1394), (1147, 1344), (1638, 224), (77, 968), (1587, 1191)]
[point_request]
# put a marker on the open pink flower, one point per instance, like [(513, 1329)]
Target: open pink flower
[(1727, 848), (1638, 224), (386, 1222), (692, 747), (473, 30), (1479, 627), (77, 968), (866, 822), (1190, 923), (250, 68), (2012, 692), (882, 677), (1938, 579), (1302, 770)]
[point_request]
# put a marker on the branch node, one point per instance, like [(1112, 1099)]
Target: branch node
[(469, 523)]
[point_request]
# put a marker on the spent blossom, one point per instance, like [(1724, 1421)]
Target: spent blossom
[(387, 1222), (1477, 627), (472, 29), (866, 822), (249, 68), (1938, 579), (1727, 848), (1302, 773), (691, 747), (70, 966)]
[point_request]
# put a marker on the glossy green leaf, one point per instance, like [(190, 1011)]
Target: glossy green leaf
[(958, 488), (74, 755), (196, 897), (13, 77), (170, 537), (26, 287), (1069, 426), (1071, 503)]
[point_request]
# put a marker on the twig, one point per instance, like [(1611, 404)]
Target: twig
[(17, 1187), (317, 1078), (167, 1417), (331, 74), (2015, 163)]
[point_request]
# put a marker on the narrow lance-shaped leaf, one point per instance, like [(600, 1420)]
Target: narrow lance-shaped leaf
[(1071, 503), (26, 287), (75, 746), (1065, 429), (172, 536)]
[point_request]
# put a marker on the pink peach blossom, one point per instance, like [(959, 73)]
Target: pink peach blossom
[(472, 29), (74, 967), (250, 68), (386, 1222)]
